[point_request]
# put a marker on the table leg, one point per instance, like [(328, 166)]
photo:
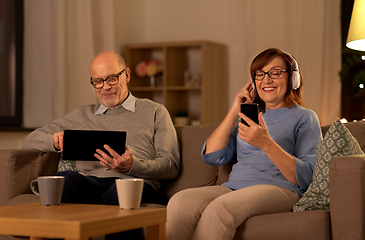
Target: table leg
[(156, 232)]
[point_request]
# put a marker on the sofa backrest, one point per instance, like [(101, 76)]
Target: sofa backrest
[(193, 171)]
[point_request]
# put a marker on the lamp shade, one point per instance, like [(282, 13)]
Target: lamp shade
[(356, 34)]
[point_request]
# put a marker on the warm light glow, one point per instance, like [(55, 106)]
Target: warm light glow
[(363, 57), (356, 34), (343, 120), (361, 85)]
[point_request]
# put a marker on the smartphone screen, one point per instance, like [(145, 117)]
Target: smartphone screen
[(251, 110)]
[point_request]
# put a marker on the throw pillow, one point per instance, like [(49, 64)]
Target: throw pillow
[(66, 165), (337, 142)]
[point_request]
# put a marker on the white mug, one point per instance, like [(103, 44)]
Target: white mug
[(129, 192), (50, 189)]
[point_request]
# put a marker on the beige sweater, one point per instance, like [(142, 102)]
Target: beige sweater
[(151, 137)]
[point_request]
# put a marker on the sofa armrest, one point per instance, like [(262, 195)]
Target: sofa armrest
[(347, 197), (18, 167)]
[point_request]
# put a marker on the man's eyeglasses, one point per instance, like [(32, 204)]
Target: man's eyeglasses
[(111, 80), (272, 73)]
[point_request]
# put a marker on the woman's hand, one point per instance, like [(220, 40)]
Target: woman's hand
[(256, 135), (245, 96)]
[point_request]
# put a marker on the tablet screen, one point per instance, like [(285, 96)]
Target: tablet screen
[(82, 144)]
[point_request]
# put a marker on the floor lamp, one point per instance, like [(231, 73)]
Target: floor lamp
[(356, 34)]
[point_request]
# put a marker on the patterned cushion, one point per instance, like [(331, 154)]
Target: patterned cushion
[(337, 142), (66, 165)]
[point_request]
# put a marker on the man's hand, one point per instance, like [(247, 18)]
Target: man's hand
[(121, 163), (58, 141)]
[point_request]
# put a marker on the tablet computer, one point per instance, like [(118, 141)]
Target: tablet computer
[(82, 144)]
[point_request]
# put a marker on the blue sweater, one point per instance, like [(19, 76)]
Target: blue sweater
[(295, 129)]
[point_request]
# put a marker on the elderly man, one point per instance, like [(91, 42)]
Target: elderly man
[(151, 146)]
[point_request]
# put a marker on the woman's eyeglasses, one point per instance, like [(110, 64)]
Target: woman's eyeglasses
[(273, 73)]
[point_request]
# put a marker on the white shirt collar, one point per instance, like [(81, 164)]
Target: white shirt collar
[(129, 104)]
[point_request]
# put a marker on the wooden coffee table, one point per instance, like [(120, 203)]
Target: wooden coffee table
[(79, 221)]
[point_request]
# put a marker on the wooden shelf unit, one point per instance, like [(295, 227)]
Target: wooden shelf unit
[(206, 102)]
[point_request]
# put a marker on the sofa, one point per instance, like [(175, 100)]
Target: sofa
[(344, 220)]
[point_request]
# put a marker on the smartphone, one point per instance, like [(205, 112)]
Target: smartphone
[(251, 110)]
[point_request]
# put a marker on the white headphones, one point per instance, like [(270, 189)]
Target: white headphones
[(295, 77)]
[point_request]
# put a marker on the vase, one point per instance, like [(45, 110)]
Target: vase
[(152, 81)]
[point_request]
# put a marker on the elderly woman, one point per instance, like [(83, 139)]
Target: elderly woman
[(275, 158)]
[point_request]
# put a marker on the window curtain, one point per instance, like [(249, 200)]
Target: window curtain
[(61, 37)]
